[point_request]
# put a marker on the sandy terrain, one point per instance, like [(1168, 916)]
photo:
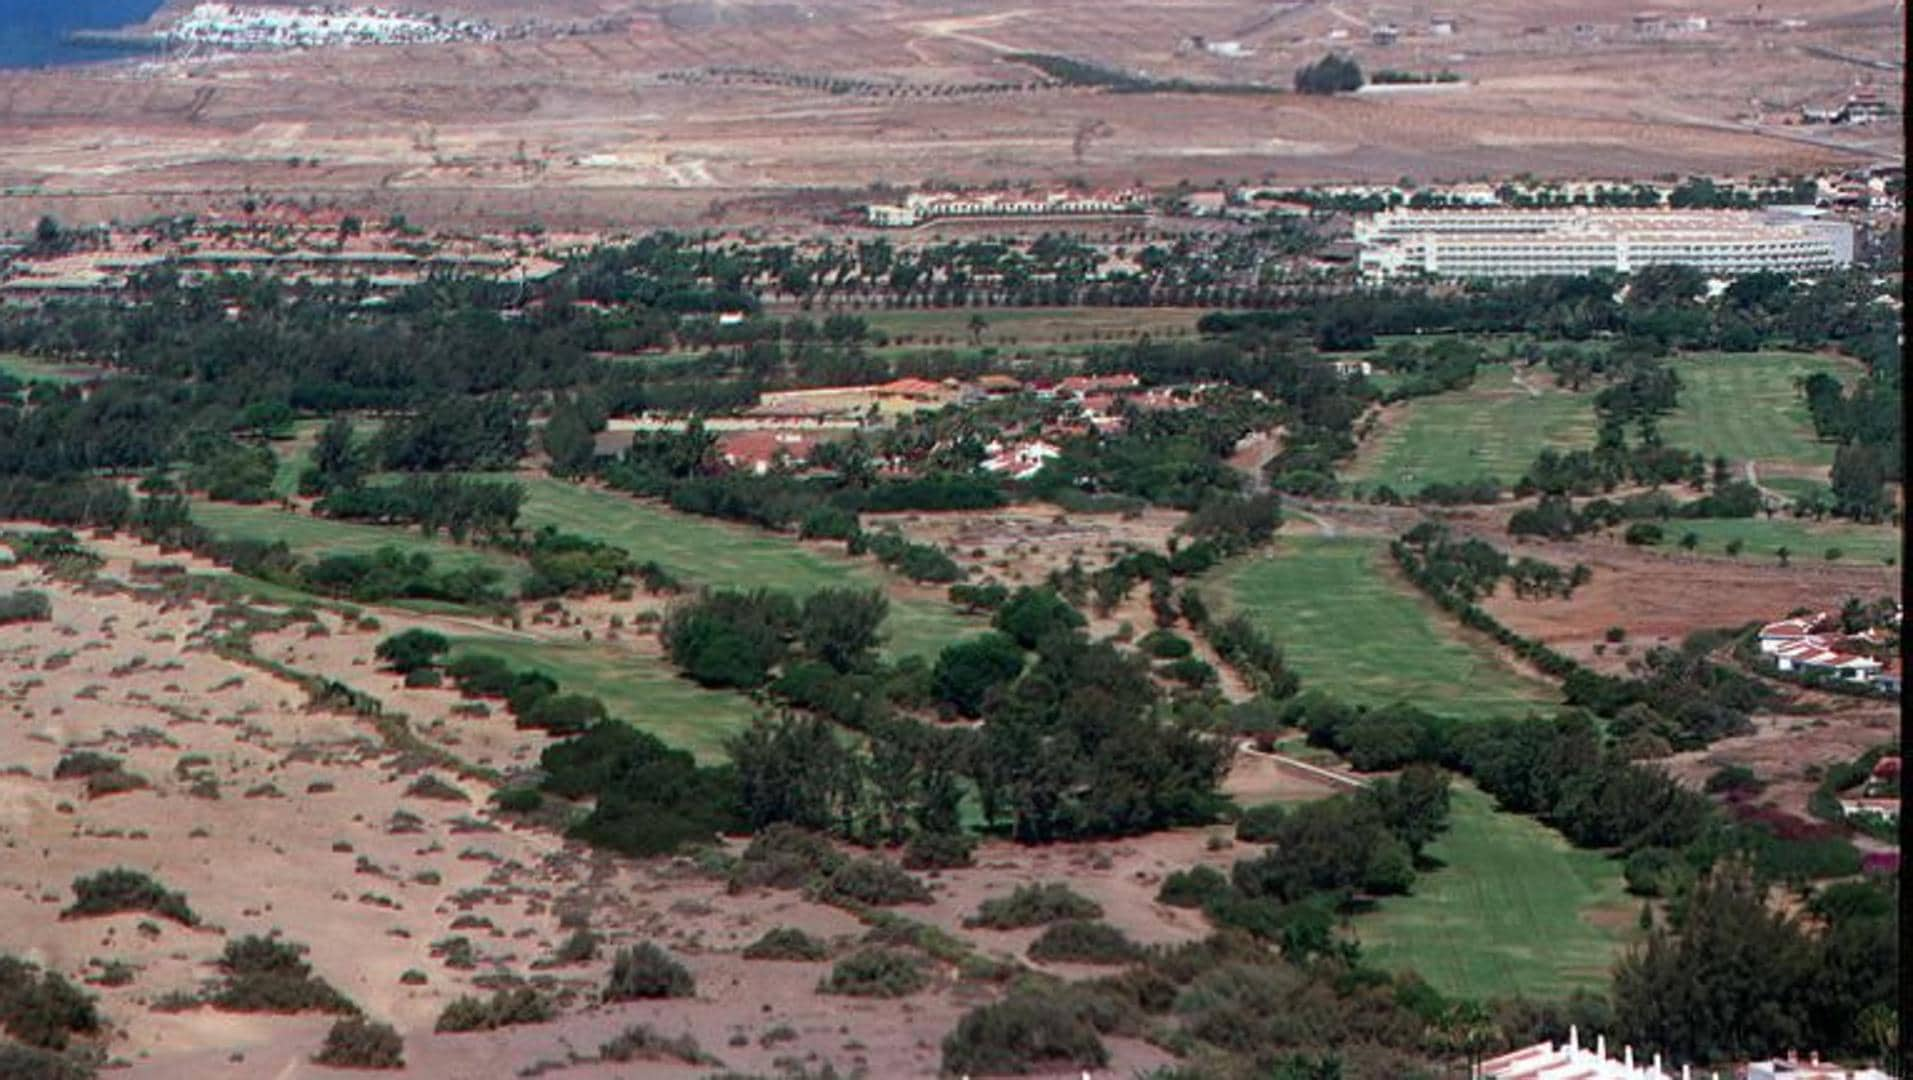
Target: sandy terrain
[(661, 123), (308, 835)]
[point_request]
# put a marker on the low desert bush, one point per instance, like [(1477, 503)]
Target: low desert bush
[(646, 971), (504, 1008), (40, 1008), (1023, 1034), (877, 972), (266, 976), (873, 882), (1034, 905), (1079, 942), (358, 1043), (1193, 888), (642, 1042), (939, 851), (786, 943), (112, 891)]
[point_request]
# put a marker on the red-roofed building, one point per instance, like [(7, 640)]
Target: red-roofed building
[(761, 451), (1078, 385), (915, 389)]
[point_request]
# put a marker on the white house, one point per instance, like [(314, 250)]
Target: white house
[(1019, 461), (1572, 1061), (1792, 1068)]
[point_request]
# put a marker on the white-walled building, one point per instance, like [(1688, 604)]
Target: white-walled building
[(1500, 243), (1572, 1061), (917, 208)]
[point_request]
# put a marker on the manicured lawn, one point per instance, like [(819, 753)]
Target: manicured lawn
[(1806, 541), (1350, 628), (1746, 407), (1742, 406), (636, 687), (708, 552), (33, 369), (315, 537), (1513, 910), (1493, 428)]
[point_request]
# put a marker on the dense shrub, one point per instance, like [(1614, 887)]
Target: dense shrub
[(874, 882), (18, 1062), (786, 943), (1656, 871), (1032, 614), (1331, 74), (1023, 1034), (967, 671), (523, 1005), (939, 851), (1164, 645), (40, 1008), (82, 763), (1258, 824), (783, 857), (1034, 905), (412, 650), (263, 975), (646, 971), (358, 1043), (876, 972), (1193, 888), (111, 891), (1080, 942), (563, 714), (1189, 671)]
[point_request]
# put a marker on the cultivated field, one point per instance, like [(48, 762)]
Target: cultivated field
[(1513, 910), (1348, 625)]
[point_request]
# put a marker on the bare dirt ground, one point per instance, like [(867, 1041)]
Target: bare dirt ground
[(1660, 599), (643, 126), (309, 828)]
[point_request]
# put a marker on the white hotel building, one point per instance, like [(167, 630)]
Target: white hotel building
[(918, 208), (1502, 243)]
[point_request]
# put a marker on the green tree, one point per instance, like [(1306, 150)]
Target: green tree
[(1731, 979), (794, 770), (569, 437), (842, 627), (1029, 615), (967, 671), (413, 649)]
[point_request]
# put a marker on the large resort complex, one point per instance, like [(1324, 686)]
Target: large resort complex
[(1579, 240)]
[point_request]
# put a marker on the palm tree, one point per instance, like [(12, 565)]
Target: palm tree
[(1467, 1030), (1879, 1026)]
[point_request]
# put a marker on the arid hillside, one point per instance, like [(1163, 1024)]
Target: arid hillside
[(739, 112)]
